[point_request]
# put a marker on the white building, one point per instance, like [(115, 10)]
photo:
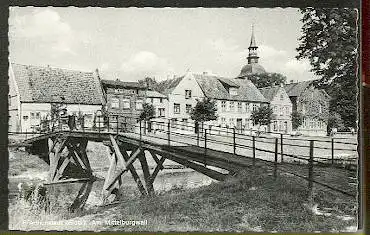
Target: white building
[(235, 99), (160, 103), (33, 89), (282, 107)]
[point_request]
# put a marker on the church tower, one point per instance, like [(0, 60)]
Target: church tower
[(252, 67), (252, 56)]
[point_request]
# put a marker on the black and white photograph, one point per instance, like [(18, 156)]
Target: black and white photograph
[(183, 119)]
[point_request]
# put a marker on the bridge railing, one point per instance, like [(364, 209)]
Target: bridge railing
[(289, 155)]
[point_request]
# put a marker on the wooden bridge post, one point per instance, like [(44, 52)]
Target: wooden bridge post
[(169, 132), (310, 167), (332, 151), (146, 173), (234, 141), (281, 148), (276, 158), (205, 147), (254, 149)]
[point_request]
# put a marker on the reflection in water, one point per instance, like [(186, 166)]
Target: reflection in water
[(82, 196)]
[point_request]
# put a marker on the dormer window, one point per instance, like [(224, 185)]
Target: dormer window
[(187, 94), (233, 91)]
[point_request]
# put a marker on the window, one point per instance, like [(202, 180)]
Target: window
[(281, 96), (139, 104), (223, 120), (239, 107), (233, 91), (32, 115), (275, 126), (231, 120), (25, 118), (275, 109), (161, 112), (160, 100), (247, 108), (152, 100), (320, 108), (38, 115), (246, 123), (223, 106), (126, 103), (254, 107), (231, 106), (176, 108), (188, 108), (187, 94), (114, 103), (281, 111)]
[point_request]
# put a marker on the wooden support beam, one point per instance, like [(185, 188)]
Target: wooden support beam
[(147, 176), (54, 159), (157, 169), (124, 168), (133, 171), (195, 166), (156, 159), (62, 167)]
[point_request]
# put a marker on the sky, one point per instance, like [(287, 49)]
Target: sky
[(133, 43)]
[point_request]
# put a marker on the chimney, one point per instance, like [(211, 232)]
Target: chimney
[(205, 73)]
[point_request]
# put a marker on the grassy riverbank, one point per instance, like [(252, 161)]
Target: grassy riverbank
[(252, 202)]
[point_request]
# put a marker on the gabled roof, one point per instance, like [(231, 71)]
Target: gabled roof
[(120, 84), (212, 87), (167, 86), (47, 84), (154, 94), (296, 89), (269, 92)]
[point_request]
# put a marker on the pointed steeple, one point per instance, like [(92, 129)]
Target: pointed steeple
[(253, 40), (253, 56)]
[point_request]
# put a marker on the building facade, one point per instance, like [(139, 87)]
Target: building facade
[(313, 104), (281, 106), (33, 90), (160, 103), (124, 103)]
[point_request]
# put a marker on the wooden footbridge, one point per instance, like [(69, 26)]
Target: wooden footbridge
[(212, 153)]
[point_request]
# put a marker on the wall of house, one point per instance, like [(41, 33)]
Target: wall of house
[(159, 123), (33, 113), (282, 107), (228, 116), (313, 104), (177, 96), (127, 117), (13, 104)]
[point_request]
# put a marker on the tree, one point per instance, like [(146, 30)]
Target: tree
[(334, 121), (147, 113), (267, 79), (150, 83), (329, 42), (297, 119), (204, 110), (262, 116)]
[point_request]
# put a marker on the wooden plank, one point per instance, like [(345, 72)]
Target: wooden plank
[(197, 167), (147, 177), (129, 162), (68, 181), (112, 168), (54, 161), (133, 171), (156, 159), (63, 166), (157, 169)]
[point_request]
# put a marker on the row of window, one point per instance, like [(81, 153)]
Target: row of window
[(239, 105), (285, 110), (34, 116), (177, 108), (280, 125), (247, 123), (152, 100), (313, 124), (125, 104), (123, 90)]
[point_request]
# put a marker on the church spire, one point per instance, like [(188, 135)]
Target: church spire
[(252, 56)]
